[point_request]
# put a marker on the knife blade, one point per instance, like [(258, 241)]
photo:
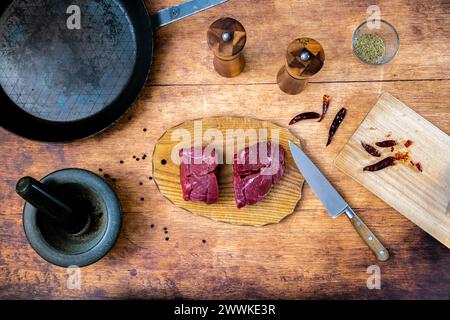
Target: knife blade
[(330, 198), (333, 201)]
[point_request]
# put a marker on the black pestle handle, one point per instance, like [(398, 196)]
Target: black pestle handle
[(38, 195)]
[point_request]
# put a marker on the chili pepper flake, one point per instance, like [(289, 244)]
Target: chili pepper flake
[(370, 150), (419, 166), (304, 116), (387, 162), (326, 104), (408, 143), (402, 156), (386, 143)]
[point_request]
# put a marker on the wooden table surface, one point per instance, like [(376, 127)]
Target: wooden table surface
[(307, 255)]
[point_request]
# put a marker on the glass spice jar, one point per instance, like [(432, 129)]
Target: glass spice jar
[(375, 43)]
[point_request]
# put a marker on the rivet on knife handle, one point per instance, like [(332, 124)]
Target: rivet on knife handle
[(369, 238)]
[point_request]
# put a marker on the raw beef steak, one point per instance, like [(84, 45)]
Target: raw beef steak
[(198, 175), (254, 175)]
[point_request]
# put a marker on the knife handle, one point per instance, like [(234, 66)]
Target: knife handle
[(369, 238)]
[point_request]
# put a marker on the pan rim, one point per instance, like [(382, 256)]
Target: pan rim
[(23, 124)]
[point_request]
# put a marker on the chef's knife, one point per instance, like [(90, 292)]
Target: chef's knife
[(333, 201)]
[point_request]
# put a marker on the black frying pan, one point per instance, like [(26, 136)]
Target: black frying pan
[(59, 84)]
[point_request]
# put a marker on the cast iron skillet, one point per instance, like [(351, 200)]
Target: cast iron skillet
[(59, 84)]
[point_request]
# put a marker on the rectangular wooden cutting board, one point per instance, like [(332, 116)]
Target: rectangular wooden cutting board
[(422, 197)]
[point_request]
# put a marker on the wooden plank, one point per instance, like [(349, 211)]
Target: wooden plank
[(182, 55), (423, 197), (279, 203), (307, 255)]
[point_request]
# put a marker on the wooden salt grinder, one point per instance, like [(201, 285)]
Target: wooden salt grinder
[(304, 58), (226, 38)]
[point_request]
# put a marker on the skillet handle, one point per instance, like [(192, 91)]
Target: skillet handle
[(175, 13)]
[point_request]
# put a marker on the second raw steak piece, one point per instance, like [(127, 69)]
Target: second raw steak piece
[(254, 175), (198, 169)]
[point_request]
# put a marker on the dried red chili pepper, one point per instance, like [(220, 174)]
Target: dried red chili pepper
[(304, 116), (408, 143), (326, 104), (371, 150), (389, 161), (340, 116), (386, 143)]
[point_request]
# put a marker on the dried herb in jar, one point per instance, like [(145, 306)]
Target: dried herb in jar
[(304, 116), (370, 48)]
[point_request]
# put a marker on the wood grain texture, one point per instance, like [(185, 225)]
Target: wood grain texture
[(279, 203), (423, 197), (306, 256), (423, 27)]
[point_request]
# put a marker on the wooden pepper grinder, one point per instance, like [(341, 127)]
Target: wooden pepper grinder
[(304, 58), (226, 38)]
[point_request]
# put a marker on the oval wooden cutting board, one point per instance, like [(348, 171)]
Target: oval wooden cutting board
[(278, 204)]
